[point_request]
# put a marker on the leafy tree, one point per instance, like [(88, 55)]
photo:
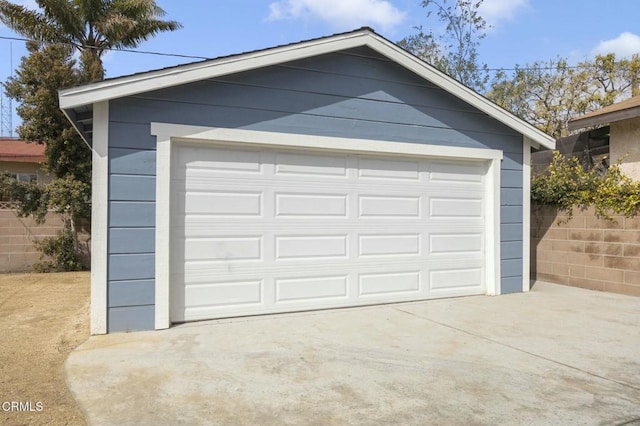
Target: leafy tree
[(90, 26), (60, 28), (455, 51), (68, 159), (550, 93), (35, 86)]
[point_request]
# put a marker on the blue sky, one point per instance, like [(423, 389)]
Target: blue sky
[(522, 31)]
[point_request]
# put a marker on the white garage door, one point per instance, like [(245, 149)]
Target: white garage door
[(265, 230)]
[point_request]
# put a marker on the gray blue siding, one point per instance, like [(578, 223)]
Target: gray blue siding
[(352, 94), (131, 318), (131, 293)]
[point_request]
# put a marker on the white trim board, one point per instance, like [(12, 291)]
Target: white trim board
[(154, 80), (492, 239), (526, 214), (166, 131), (168, 134), (100, 219), (163, 222)]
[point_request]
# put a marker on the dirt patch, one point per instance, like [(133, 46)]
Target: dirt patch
[(43, 317)]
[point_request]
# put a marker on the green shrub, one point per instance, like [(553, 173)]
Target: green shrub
[(566, 184), (62, 253)]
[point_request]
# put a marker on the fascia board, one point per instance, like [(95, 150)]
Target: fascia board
[(459, 90), (127, 86)]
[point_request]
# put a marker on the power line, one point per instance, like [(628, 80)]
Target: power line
[(180, 55), (145, 52)]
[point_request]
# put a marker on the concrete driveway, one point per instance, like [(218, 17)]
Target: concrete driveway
[(556, 355)]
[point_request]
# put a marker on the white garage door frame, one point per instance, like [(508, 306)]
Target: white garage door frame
[(169, 134)]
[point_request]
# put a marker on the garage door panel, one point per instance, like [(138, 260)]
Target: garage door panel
[(455, 207), (224, 294), (374, 233), (450, 172), (197, 162), (311, 288), (291, 205), (224, 203), (201, 228), (456, 278), (415, 222), (383, 169), (383, 284), (319, 186), (456, 243), (455, 187), (223, 248), (204, 272), (276, 231), (388, 206), (310, 247), (270, 295), (373, 224), (293, 164), (388, 244)]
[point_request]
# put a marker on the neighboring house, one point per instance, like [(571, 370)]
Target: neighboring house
[(17, 234), (590, 147), (623, 119), (334, 172), (23, 160), (588, 251)]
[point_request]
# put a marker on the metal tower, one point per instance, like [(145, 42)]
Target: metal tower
[(6, 108), (6, 114)]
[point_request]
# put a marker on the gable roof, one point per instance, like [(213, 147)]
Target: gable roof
[(16, 150), (626, 109), (81, 97)]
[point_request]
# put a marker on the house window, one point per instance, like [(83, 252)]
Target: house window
[(25, 177)]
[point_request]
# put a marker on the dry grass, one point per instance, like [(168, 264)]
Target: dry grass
[(43, 317)]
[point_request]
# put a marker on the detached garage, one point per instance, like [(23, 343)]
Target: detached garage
[(335, 172)]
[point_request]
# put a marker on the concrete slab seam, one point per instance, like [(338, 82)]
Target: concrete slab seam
[(627, 385)]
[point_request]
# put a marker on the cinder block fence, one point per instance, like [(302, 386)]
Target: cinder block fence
[(586, 251), (17, 235)]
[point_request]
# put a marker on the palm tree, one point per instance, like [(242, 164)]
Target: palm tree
[(90, 26)]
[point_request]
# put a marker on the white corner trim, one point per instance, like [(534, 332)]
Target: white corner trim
[(168, 134), (239, 136), (492, 240), (526, 214), (154, 80), (100, 218), (163, 233)]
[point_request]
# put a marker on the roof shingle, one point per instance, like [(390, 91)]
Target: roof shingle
[(629, 108), (12, 149)]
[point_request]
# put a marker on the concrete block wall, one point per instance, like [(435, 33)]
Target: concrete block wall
[(586, 251), (17, 253)]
